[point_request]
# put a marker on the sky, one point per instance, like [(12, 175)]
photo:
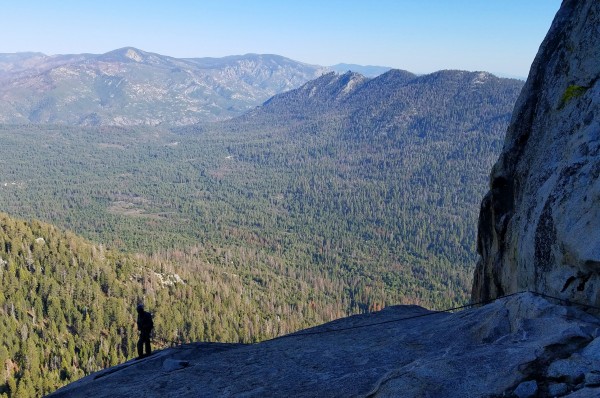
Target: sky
[(421, 36)]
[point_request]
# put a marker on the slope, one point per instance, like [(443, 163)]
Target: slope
[(385, 173), (67, 307)]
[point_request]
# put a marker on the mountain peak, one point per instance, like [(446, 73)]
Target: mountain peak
[(395, 76), (334, 85), (319, 94), (133, 54), (349, 82), (365, 70), (125, 54)]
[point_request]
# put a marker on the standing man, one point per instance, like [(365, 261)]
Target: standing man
[(145, 326)]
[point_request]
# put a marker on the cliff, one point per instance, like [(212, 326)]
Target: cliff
[(539, 223)]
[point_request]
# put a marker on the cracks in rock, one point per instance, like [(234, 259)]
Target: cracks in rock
[(495, 214), (592, 264), (581, 285), (568, 283), (538, 369), (545, 238), (392, 374), (583, 279), (502, 203)]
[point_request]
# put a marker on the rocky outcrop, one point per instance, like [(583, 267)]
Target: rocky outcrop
[(539, 223), (518, 346)]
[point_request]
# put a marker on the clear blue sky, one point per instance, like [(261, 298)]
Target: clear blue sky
[(499, 36)]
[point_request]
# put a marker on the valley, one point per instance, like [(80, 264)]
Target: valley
[(335, 191), (340, 197)]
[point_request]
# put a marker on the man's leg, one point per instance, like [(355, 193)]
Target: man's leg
[(140, 347), (148, 350)]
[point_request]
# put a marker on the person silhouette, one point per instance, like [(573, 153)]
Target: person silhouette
[(145, 326)]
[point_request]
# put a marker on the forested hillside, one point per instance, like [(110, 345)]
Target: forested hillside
[(67, 307)]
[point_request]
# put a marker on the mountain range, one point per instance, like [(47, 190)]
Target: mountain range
[(396, 102), (345, 173), (129, 86)]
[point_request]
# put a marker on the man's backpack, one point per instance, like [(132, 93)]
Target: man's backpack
[(147, 324)]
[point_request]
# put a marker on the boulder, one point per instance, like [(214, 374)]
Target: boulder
[(555, 390), (527, 389)]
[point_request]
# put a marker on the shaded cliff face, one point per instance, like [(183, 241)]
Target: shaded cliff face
[(539, 225)]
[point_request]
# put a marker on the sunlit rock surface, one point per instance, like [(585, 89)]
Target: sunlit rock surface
[(539, 226)]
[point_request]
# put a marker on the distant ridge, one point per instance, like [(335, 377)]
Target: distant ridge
[(132, 87), (129, 86), (366, 70), (398, 99)]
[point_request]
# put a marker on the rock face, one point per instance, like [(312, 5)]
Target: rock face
[(514, 346), (539, 223)]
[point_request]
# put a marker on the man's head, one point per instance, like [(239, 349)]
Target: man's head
[(140, 308)]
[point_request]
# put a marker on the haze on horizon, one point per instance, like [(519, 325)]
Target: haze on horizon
[(498, 36)]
